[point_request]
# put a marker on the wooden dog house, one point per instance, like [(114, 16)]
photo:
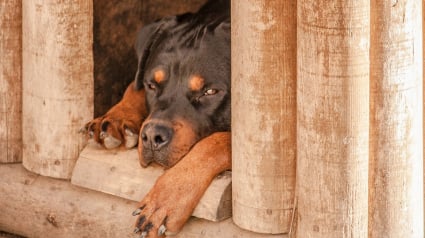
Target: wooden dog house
[(327, 127)]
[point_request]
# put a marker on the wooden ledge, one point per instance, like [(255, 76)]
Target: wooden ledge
[(117, 172), (36, 206)]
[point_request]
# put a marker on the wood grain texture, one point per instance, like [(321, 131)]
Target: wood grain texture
[(10, 81), (263, 114), (396, 139), (57, 83), (117, 172), (42, 207), (333, 118)]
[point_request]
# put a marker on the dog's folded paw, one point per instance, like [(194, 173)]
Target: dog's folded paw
[(120, 126), (112, 131)]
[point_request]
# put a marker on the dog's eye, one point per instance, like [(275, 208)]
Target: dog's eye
[(151, 86), (210, 91)]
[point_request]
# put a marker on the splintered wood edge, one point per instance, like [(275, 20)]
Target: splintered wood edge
[(117, 172)]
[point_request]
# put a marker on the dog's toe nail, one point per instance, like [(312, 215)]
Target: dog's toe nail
[(83, 130), (131, 139), (136, 230), (103, 135), (161, 230), (144, 234), (111, 142), (128, 132), (137, 212)]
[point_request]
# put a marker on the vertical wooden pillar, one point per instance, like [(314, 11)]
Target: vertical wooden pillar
[(333, 118), (423, 99), (263, 114), (57, 83), (10, 81), (396, 143)]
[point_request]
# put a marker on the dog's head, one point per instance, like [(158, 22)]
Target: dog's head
[(184, 67)]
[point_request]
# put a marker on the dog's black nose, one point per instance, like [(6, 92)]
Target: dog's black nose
[(155, 136)]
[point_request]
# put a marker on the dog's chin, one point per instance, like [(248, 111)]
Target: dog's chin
[(167, 163), (162, 158)]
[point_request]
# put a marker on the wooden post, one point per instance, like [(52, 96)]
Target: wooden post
[(396, 142), (57, 83), (423, 98), (333, 118), (263, 114), (10, 81)]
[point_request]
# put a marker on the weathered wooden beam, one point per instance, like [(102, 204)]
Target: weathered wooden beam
[(264, 100), (396, 120), (117, 172), (57, 82), (332, 118), (10, 81), (37, 206)]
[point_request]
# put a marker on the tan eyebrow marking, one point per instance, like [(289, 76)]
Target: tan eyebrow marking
[(159, 76), (196, 83)]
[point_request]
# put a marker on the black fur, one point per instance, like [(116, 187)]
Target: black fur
[(183, 46)]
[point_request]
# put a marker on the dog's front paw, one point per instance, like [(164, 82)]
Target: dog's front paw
[(112, 130), (171, 201), (121, 124), (167, 207)]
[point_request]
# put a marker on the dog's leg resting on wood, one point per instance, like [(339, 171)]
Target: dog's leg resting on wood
[(171, 201)]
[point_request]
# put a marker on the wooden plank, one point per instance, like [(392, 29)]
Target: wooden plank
[(10, 81), (117, 172), (38, 206)]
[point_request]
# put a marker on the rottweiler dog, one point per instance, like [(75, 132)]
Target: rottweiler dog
[(177, 111)]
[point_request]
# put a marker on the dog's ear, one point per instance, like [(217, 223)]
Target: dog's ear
[(223, 29), (143, 42), (147, 39)]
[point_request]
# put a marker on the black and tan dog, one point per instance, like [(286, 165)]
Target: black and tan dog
[(178, 112)]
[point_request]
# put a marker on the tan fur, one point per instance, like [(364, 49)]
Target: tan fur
[(196, 83)]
